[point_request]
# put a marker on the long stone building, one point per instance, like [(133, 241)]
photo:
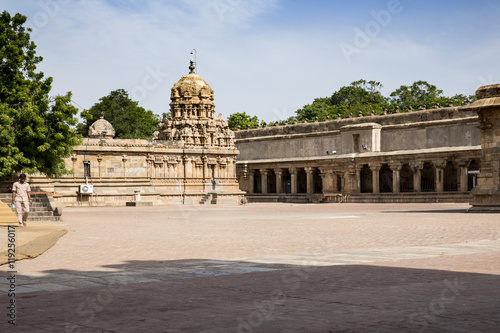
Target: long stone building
[(418, 156)]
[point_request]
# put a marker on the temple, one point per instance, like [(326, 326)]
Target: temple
[(191, 159), (441, 154)]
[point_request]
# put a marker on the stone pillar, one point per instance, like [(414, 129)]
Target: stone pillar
[(279, 180), (309, 173), (417, 167), (293, 180), (463, 175), (439, 165), (486, 195), (350, 181), (180, 168), (217, 170), (188, 167), (335, 184), (99, 165), (396, 181), (375, 167), (231, 168), (358, 178), (263, 178), (206, 169), (327, 180), (223, 171), (74, 158), (250, 181), (165, 167)]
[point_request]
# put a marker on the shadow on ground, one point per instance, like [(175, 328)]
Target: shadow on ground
[(219, 296), (430, 211)]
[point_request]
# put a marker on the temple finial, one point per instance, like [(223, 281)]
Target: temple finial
[(193, 63), (191, 66)]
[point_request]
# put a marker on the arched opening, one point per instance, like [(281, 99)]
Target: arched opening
[(428, 183), (287, 181), (385, 179), (317, 181), (301, 181), (339, 183), (450, 177), (257, 182), (271, 181), (472, 172), (366, 179), (406, 179)]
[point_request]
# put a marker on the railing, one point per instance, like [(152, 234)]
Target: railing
[(448, 187), (406, 187), (428, 186)]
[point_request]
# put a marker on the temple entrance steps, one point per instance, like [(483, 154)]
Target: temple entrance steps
[(416, 197), (278, 197), (412, 197), (42, 209), (207, 199)]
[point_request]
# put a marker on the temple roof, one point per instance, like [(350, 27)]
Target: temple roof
[(192, 89), (101, 129)]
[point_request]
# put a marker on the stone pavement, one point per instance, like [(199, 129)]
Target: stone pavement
[(264, 268)]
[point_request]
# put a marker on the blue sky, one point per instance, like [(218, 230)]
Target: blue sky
[(263, 57)]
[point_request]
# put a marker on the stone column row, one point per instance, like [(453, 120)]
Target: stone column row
[(353, 175)]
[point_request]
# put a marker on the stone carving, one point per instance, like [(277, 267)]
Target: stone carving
[(192, 119)]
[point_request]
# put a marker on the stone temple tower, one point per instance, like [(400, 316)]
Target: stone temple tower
[(199, 148), (192, 120)]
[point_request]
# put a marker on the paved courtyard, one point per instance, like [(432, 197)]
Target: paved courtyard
[(263, 268)]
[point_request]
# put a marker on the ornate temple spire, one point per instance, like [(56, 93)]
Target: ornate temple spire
[(192, 120)]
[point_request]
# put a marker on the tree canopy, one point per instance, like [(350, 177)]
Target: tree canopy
[(129, 119), (36, 130), (423, 94), (242, 120), (365, 97)]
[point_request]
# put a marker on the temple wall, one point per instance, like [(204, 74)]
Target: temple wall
[(446, 127), (164, 172), (448, 133)]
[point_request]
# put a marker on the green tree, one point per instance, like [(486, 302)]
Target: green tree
[(320, 107), (420, 93), (36, 131), (242, 120), (361, 95), (129, 119)]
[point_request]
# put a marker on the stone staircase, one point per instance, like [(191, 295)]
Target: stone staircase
[(207, 199), (42, 209)]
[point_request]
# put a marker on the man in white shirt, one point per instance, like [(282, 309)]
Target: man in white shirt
[(21, 197)]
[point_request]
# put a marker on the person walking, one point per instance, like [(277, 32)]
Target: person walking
[(21, 197)]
